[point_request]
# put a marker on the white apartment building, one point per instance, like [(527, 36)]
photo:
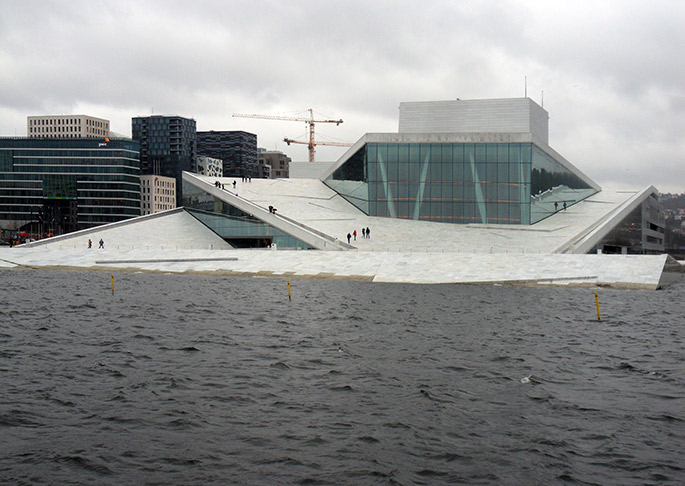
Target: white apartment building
[(66, 126), (210, 166), (157, 194)]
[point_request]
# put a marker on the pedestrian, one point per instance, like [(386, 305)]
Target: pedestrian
[(355, 235), (90, 244), (349, 237), (271, 209), (102, 244), (368, 232), (234, 184), (556, 206), (564, 205)]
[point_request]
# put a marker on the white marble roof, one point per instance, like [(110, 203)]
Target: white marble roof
[(315, 205)]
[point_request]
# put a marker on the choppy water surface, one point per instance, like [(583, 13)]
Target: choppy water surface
[(220, 380)]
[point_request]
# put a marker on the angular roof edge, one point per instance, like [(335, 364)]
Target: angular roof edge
[(594, 234)]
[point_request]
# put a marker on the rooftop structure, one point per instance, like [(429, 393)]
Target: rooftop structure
[(66, 126), (505, 115)]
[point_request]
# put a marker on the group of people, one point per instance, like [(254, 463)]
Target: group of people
[(272, 210), (102, 244), (366, 233), (245, 179), (556, 206)]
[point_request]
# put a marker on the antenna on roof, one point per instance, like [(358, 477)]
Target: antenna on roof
[(543, 98), (525, 86)]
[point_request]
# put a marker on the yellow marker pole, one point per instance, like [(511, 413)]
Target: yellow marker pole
[(112, 284), (290, 297), (599, 318)]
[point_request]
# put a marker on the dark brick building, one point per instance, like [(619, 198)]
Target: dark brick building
[(237, 150)]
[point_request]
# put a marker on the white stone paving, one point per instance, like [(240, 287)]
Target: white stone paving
[(398, 251), (424, 268)]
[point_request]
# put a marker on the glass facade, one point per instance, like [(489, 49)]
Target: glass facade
[(553, 186), (487, 183), (96, 180), (236, 227), (168, 146)]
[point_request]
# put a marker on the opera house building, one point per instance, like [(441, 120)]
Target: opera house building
[(466, 191)]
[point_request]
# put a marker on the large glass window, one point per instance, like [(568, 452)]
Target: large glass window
[(553, 186), (456, 182), (236, 227)]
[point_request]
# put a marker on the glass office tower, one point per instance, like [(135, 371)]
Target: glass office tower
[(487, 183), (168, 146), (68, 184)]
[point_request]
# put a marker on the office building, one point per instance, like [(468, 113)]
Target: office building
[(157, 193), (167, 146), (279, 162), (66, 126), (210, 166), (67, 184), (237, 150), (263, 169)]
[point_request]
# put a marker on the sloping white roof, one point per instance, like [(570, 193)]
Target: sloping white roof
[(316, 206)]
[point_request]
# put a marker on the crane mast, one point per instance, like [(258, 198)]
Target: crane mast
[(311, 122)]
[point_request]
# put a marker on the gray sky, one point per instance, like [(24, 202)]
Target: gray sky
[(612, 72)]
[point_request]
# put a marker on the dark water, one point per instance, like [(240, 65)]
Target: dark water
[(221, 380)]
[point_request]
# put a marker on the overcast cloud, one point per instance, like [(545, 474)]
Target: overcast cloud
[(612, 72)]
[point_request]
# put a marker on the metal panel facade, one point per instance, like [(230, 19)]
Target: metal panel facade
[(511, 115)]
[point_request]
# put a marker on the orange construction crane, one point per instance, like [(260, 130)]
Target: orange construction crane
[(309, 121)]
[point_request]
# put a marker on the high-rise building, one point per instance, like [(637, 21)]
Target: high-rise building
[(67, 184), (66, 126), (157, 193), (167, 146), (237, 149), (279, 162)]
